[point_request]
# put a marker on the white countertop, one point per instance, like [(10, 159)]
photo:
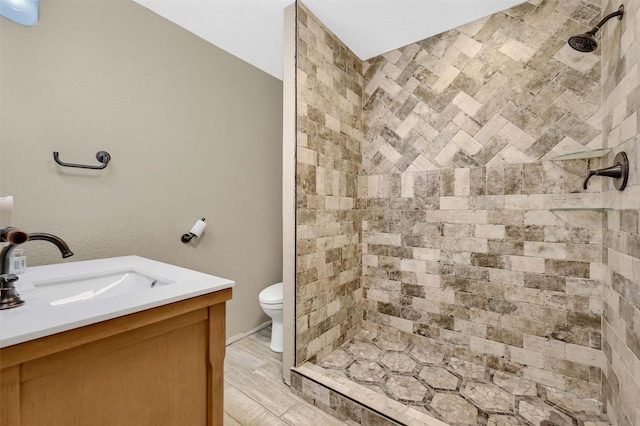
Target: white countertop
[(39, 318)]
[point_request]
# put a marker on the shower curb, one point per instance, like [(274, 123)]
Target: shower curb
[(326, 392)]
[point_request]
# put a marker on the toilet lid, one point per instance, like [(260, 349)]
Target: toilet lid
[(271, 295)]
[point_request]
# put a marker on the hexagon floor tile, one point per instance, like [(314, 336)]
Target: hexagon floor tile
[(363, 350), (398, 363), (453, 390), (366, 371), (439, 378), (514, 385), (467, 369), (536, 411), (454, 409), (488, 397), (392, 344), (337, 359), (406, 388)]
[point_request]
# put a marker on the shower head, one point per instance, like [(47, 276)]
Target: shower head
[(587, 42), (584, 42)]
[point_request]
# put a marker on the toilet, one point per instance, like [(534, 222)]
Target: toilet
[(271, 303)]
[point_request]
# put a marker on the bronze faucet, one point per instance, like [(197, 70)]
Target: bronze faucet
[(619, 172), (9, 298)]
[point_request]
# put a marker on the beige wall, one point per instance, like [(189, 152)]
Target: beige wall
[(192, 132)]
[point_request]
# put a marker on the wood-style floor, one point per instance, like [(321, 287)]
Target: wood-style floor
[(254, 393)]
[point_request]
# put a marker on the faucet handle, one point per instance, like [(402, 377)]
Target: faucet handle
[(13, 235), (619, 172)]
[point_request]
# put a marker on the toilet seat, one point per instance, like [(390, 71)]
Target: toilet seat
[(271, 295)]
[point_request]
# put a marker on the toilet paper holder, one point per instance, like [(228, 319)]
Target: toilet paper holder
[(196, 231)]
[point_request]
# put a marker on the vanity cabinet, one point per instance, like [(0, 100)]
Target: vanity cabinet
[(158, 367)]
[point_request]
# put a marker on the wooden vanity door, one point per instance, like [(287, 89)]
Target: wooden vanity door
[(163, 373)]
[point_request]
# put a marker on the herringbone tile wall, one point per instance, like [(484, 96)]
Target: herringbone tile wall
[(506, 89)]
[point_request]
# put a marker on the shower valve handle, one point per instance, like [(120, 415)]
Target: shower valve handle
[(619, 171)]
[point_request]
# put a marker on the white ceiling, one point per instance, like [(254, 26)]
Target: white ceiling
[(252, 29)]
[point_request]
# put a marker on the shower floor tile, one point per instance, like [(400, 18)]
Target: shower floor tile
[(380, 372)]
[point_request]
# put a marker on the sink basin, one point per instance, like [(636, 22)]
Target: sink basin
[(66, 296), (62, 291)]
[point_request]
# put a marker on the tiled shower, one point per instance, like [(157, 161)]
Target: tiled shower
[(434, 209)]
